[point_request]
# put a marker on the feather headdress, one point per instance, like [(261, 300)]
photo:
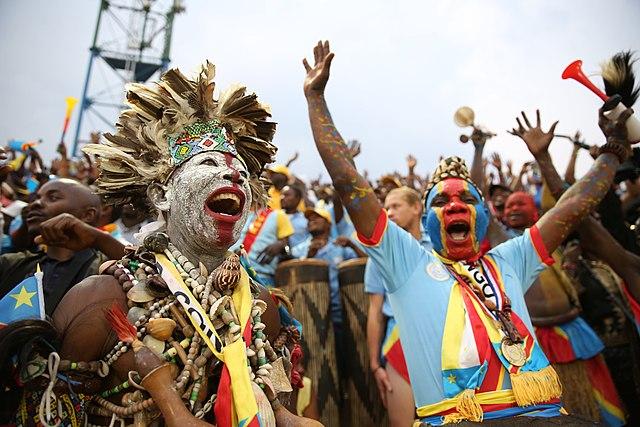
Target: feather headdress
[(618, 77), (174, 119)]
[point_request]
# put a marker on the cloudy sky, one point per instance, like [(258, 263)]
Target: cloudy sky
[(401, 69)]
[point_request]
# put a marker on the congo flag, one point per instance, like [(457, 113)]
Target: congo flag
[(24, 301)]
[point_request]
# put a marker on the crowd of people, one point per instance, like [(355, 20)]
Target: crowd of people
[(493, 296)]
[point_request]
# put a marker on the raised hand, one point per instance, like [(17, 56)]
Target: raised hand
[(510, 167), (496, 161), (525, 167), (67, 231), (536, 139), (292, 159), (615, 129), (318, 76), (343, 241), (411, 162)]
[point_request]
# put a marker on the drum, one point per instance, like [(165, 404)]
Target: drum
[(363, 405), (306, 282)]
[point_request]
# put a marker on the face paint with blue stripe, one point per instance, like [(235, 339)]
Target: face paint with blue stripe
[(456, 219)]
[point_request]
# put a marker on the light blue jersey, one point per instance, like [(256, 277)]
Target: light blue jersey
[(374, 284), (300, 232), (275, 227), (419, 286)]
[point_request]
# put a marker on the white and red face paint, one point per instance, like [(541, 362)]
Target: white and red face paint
[(209, 199)]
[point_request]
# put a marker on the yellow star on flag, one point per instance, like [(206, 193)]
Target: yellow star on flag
[(23, 297), (452, 378)]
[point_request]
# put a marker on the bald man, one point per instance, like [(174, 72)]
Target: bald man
[(62, 216)]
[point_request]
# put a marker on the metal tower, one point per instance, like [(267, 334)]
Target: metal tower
[(131, 43)]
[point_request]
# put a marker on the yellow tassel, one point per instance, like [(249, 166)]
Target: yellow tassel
[(530, 388), (468, 406), (453, 418)]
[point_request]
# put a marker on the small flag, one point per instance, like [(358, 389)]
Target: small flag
[(24, 301), (71, 103)]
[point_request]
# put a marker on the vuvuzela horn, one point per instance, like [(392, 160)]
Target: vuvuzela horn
[(574, 71)]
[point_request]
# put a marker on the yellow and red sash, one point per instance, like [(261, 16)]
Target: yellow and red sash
[(255, 227), (393, 353), (235, 404), (472, 359)]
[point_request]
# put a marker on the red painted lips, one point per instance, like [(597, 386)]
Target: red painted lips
[(225, 204)]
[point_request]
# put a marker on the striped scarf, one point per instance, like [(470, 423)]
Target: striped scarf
[(472, 357)]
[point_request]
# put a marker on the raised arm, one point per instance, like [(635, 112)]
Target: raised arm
[(570, 173), (477, 167), (496, 162), (355, 192), (581, 198), (601, 242), (602, 245), (538, 142), (411, 172)]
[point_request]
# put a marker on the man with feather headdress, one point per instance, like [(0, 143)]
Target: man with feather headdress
[(187, 300)]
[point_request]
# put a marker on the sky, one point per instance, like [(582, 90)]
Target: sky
[(401, 69)]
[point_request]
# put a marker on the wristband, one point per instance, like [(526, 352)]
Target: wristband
[(621, 151)]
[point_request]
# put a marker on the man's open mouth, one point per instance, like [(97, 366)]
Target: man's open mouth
[(225, 204), (458, 231), (514, 216)]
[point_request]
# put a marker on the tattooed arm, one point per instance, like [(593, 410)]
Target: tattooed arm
[(355, 192), (583, 197)]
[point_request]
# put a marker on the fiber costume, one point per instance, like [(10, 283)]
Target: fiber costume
[(196, 335), (574, 349)]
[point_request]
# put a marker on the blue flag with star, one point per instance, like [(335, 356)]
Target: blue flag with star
[(25, 301)]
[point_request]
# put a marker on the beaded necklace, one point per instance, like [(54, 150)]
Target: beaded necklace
[(149, 299)]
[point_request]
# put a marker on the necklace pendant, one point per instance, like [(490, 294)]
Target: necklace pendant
[(513, 352), (227, 275)]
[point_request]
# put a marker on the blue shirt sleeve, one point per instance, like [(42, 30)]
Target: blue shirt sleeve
[(373, 283), (396, 255), (521, 255)]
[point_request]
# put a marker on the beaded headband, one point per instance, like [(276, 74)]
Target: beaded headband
[(451, 167), (200, 137)]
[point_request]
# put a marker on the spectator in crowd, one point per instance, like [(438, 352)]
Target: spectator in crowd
[(386, 358), (290, 200), (63, 216)]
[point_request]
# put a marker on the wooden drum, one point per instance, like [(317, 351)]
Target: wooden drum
[(363, 405), (306, 282)]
